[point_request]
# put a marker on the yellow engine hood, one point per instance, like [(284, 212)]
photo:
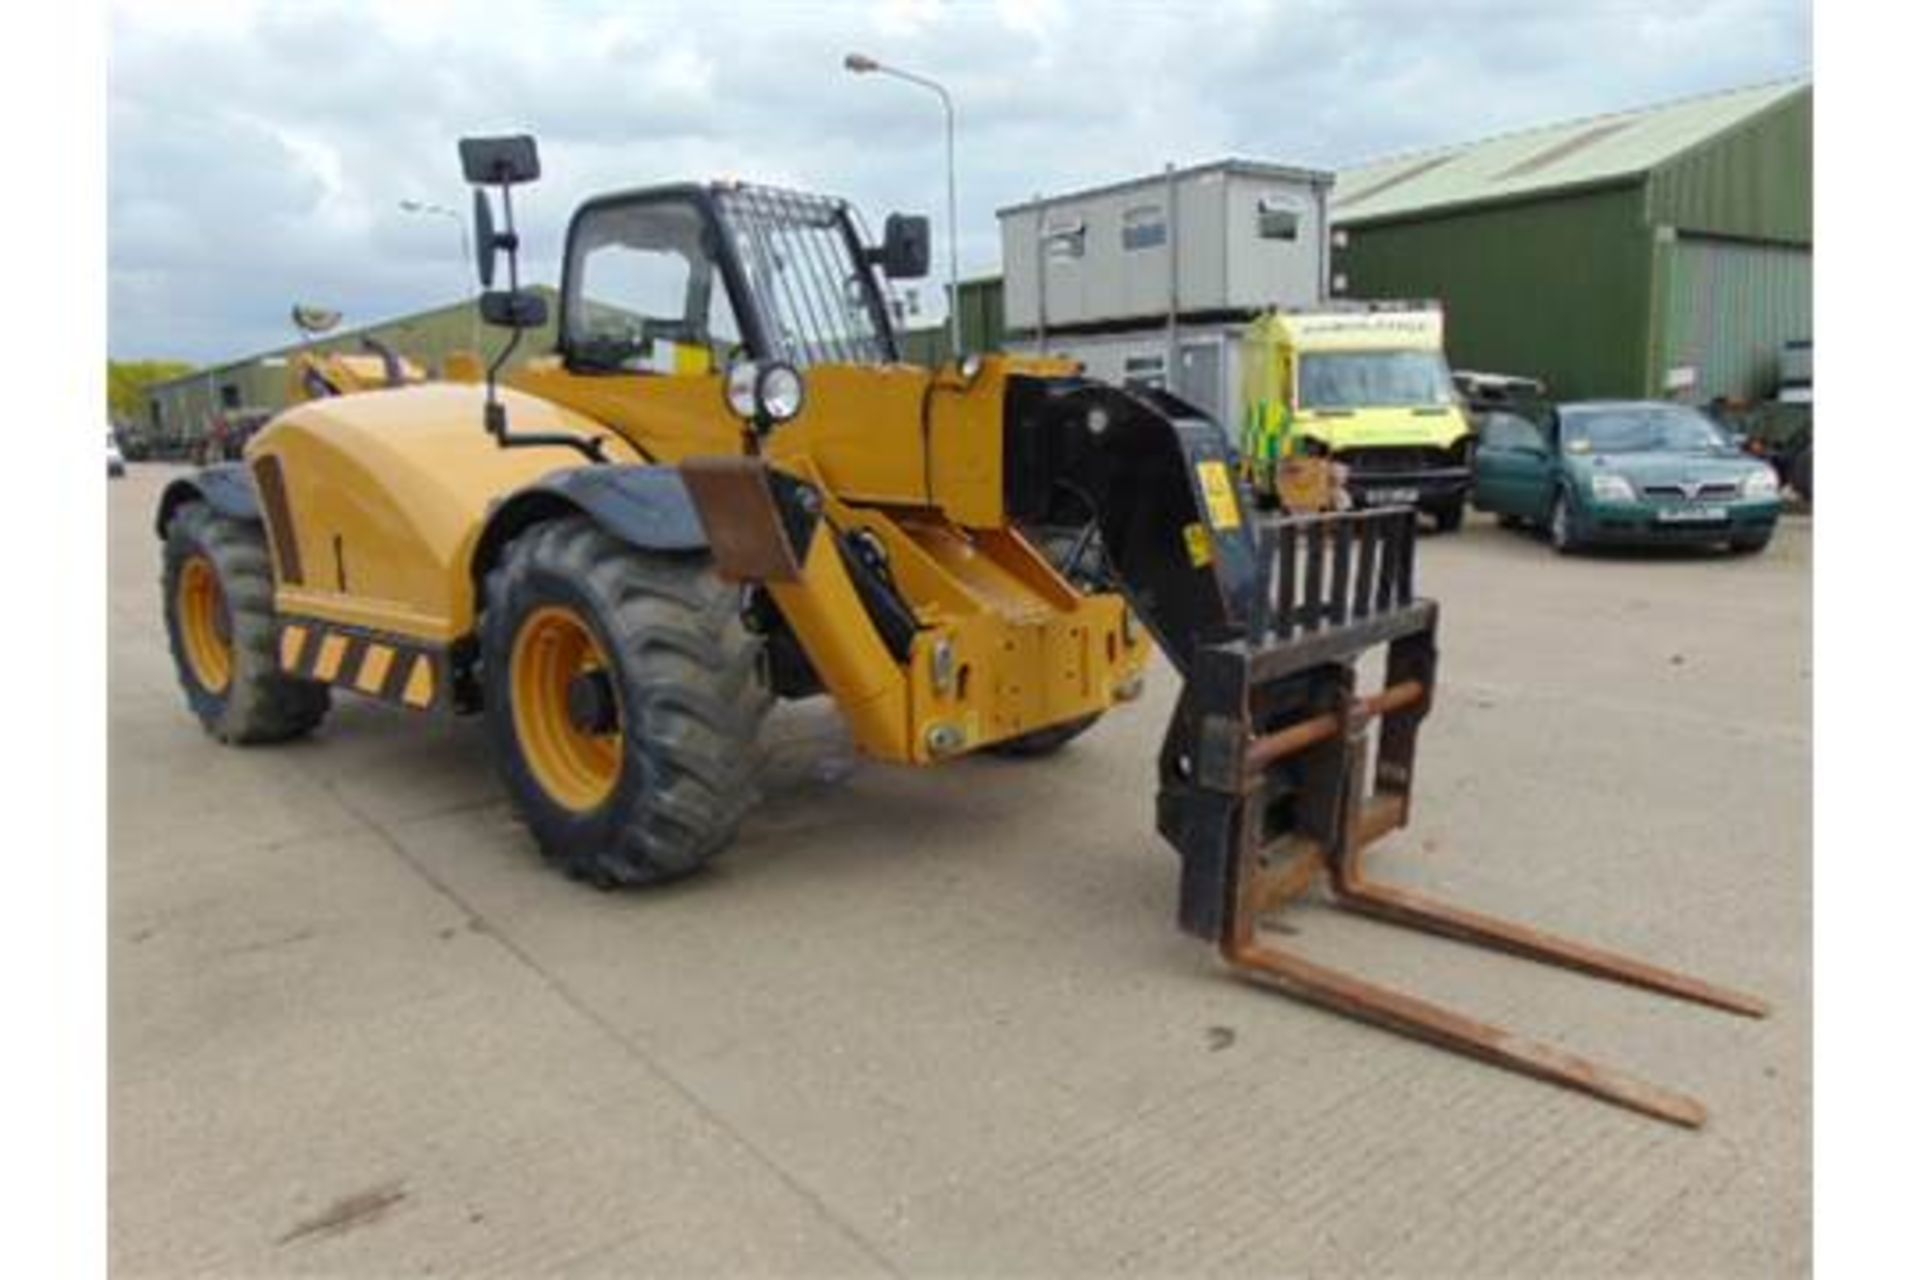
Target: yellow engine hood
[(1438, 428)]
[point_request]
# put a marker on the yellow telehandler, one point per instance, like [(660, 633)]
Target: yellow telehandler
[(725, 487)]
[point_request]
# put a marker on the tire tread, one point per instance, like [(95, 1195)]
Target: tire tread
[(689, 673)]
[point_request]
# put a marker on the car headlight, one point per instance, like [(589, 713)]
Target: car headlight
[(1607, 487), (1760, 483)]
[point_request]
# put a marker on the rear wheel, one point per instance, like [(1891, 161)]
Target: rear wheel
[(220, 625), (624, 696), (1802, 473)]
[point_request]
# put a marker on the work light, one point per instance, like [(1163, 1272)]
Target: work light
[(781, 392)]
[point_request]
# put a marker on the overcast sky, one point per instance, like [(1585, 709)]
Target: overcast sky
[(257, 151)]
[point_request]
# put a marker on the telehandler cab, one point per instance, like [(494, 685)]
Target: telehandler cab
[(725, 487)]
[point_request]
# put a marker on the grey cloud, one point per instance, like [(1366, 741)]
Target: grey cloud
[(260, 160)]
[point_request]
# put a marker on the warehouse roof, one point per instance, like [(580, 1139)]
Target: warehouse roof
[(1576, 153)]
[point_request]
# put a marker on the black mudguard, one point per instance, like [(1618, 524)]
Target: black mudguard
[(644, 506), (227, 487)]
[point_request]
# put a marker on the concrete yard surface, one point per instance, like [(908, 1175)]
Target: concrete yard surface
[(941, 1022)]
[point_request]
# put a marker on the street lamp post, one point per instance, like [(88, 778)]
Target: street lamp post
[(861, 64), (466, 254)]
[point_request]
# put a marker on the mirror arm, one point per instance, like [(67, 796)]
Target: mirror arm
[(496, 412)]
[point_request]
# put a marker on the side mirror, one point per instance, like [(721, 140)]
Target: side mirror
[(513, 308), (486, 243), (500, 162), (907, 247)]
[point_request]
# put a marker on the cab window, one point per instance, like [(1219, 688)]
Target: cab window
[(645, 293)]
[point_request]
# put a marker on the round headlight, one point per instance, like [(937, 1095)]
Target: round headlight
[(743, 378), (781, 392)]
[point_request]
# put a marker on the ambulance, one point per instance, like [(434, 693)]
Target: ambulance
[(1366, 386)]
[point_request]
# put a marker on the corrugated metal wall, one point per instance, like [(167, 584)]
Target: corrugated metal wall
[(1601, 292), (1558, 288), (1727, 306), (1754, 182), (187, 405)]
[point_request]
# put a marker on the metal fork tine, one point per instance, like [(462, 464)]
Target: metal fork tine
[(1382, 1006), (1415, 910)]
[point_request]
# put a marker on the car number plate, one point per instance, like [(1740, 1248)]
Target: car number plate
[(1690, 515), (1392, 497)]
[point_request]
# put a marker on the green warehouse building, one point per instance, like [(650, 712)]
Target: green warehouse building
[(1664, 251), (180, 411)]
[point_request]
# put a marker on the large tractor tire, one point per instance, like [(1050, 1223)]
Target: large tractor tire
[(220, 625), (624, 696)]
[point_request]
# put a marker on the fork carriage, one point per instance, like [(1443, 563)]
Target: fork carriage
[(1278, 772)]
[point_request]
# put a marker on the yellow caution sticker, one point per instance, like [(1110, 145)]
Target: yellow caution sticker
[(1199, 545), (1223, 509)]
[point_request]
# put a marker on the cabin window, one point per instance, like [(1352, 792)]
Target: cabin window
[(1143, 227), (1066, 239), (1278, 219)]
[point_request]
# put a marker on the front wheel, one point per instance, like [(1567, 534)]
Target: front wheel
[(1802, 477), (624, 696), (1751, 543), (1560, 530), (1448, 516)]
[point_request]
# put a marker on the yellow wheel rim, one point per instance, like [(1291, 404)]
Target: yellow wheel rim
[(204, 629), (575, 766)]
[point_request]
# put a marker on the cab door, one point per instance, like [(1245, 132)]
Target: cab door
[(1512, 468)]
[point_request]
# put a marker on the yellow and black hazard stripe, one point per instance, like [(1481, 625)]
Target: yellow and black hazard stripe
[(392, 668)]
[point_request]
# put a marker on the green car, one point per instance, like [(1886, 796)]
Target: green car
[(1624, 471)]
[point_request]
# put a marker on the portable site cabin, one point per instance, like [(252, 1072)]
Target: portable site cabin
[(1151, 282)]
